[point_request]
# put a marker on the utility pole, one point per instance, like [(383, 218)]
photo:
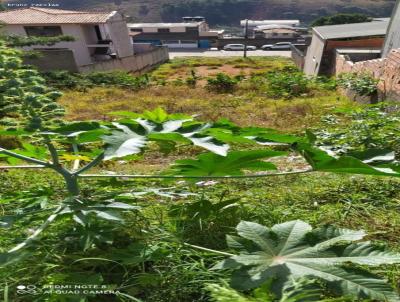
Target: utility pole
[(246, 36)]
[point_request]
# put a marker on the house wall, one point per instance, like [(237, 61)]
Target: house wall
[(386, 70), (314, 56), (78, 47), (393, 36), (118, 32)]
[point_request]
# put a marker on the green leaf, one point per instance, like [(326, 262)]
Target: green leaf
[(293, 250), (109, 215), (77, 127), (321, 161), (123, 143), (234, 163)]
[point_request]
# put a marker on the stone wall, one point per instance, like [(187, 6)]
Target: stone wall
[(386, 70)]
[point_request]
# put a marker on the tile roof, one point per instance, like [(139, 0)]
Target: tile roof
[(36, 15), (354, 30)]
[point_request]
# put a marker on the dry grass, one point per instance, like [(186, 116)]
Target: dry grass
[(245, 109), (181, 68)]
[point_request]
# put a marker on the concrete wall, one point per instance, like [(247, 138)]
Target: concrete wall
[(62, 59), (386, 70), (118, 31), (138, 63), (314, 56), (298, 55), (393, 36)]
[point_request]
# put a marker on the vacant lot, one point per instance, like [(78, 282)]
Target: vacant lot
[(164, 250)]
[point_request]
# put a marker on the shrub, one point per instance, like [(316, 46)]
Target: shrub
[(222, 83), (68, 80), (363, 84), (118, 78), (287, 84), (191, 81)]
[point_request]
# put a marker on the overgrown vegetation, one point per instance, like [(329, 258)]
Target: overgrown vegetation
[(373, 127), (78, 81), (363, 84), (157, 240)]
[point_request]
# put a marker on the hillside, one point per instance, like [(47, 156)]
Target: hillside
[(229, 12)]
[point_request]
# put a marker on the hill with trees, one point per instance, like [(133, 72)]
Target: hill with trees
[(229, 12)]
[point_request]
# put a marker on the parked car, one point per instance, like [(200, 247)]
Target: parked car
[(238, 47), (277, 46)]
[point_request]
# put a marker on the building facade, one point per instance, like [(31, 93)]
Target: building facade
[(191, 33)]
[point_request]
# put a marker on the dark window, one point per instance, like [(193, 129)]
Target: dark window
[(192, 30), (137, 30), (43, 31), (98, 32), (163, 30)]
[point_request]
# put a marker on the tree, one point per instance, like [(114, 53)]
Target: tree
[(341, 19)]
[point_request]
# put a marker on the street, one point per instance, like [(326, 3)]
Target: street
[(173, 53)]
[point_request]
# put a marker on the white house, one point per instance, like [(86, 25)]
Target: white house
[(98, 36)]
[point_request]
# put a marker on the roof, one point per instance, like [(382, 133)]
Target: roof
[(353, 30), (266, 22), (164, 25), (36, 15)]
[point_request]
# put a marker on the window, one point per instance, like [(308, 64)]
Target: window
[(192, 30), (43, 31), (137, 30), (163, 30)]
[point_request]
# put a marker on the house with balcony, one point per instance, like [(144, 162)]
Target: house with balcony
[(192, 33), (101, 39)]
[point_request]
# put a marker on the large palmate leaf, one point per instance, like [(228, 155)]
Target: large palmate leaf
[(123, 143), (132, 135), (295, 290), (370, 162), (294, 249), (209, 164)]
